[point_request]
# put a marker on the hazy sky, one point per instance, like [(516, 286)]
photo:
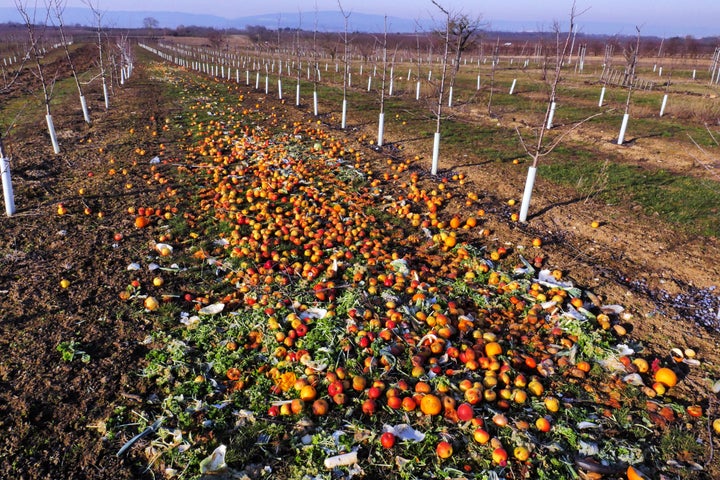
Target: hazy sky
[(662, 17)]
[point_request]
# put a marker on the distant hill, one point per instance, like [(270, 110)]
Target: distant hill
[(326, 20)]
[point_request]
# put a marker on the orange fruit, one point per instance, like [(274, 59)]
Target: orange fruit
[(455, 222), (552, 404), (521, 453), (666, 376), (499, 456), (430, 404), (694, 411), (308, 393), (141, 222), (583, 365), (320, 407), (481, 436), (297, 406), (633, 474), (493, 349), (543, 424), (641, 364), (151, 304), (444, 450), (423, 387), (409, 404)]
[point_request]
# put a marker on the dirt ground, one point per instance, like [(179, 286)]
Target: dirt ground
[(53, 413)]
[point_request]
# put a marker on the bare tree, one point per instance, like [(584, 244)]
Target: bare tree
[(125, 62), (493, 67), (95, 8), (462, 32), (418, 62), (8, 81), (607, 63), (381, 119), (298, 58), (631, 55), (346, 65), (216, 38), (316, 73), (540, 148), (150, 24), (47, 82), (58, 6), (441, 93)]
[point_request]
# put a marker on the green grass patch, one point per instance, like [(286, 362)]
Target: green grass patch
[(690, 203)]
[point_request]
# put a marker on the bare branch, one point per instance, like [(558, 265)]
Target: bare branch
[(522, 142), (574, 127), (440, 7), (34, 51), (711, 135), (702, 150), (59, 7)]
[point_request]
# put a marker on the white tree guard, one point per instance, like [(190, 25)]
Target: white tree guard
[(86, 112), (527, 194), (436, 153), (664, 104), (551, 116), (53, 135), (381, 129), (7, 187), (106, 96), (344, 114), (623, 127)]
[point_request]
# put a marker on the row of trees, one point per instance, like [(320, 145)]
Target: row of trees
[(520, 44), (459, 34), (40, 69)]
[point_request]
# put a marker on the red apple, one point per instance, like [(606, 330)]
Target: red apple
[(543, 424), (335, 387), (374, 392), (465, 412), (320, 406), (481, 436), (444, 450), (499, 456), (473, 395), (387, 440), (394, 402), (369, 406)]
